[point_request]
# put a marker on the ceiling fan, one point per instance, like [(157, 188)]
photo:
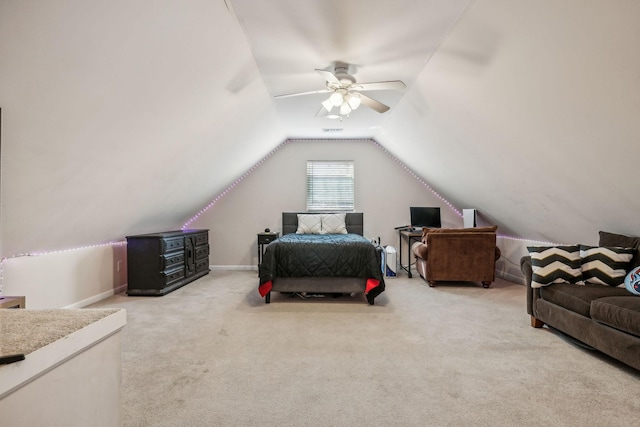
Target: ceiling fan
[(346, 93)]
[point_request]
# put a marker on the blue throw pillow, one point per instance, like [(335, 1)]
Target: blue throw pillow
[(632, 281)]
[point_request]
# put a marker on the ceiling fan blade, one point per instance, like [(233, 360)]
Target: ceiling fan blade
[(322, 112), (373, 104), (390, 85), (325, 108), (327, 105), (329, 76), (288, 95)]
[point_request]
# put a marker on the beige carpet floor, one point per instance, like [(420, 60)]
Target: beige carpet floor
[(213, 354)]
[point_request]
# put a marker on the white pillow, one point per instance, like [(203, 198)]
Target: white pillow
[(333, 224), (309, 224)]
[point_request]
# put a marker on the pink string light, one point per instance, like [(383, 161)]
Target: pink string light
[(30, 254), (420, 180), (59, 251), (445, 201), (532, 242), (249, 172), (232, 186), (79, 248), (254, 167)]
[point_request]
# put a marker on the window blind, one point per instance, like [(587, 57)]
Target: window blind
[(330, 185)]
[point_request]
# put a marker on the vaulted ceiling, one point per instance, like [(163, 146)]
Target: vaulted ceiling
[(379, 40), (527, 111)]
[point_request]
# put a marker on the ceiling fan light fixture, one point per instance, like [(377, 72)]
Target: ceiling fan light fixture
[(327, 104), (339, 84), (353, 99), (345, 108), (337, 97)]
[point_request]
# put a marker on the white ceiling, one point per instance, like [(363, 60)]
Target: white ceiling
[(380, 40)]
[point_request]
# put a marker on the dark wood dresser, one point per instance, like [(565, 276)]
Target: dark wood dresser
[(159, 263)]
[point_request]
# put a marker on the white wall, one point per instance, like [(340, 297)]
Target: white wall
[(384, 192), (66, 279)]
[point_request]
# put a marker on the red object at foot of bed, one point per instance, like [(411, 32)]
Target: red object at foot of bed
[(265, 288), (371, 284)]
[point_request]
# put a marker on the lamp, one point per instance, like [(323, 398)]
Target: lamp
[(327, 104), (337, 97), (345, 108), (345, 100), (353, 99)]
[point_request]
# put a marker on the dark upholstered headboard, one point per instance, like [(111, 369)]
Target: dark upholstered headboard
[(353, 220)]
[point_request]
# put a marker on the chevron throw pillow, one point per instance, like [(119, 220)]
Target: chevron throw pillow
[(605, 265), (555, 264)]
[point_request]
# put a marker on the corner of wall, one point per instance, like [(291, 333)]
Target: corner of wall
[(512, 250)]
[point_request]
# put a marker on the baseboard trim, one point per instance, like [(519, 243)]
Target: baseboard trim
[(97, 298), (511, 277), (234, 267)]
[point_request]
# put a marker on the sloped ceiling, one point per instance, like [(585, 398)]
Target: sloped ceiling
[(122, 118), (530, 112), (126, 118)]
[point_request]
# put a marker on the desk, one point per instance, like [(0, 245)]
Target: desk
[(410, 237)]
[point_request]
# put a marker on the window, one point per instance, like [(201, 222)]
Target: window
[(330, 185)]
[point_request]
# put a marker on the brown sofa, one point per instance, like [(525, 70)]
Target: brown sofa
[(603, 317), (457, 254)]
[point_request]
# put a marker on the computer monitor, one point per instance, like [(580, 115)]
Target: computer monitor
[(425, 217)]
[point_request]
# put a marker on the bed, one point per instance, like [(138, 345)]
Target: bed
[(321, 253)]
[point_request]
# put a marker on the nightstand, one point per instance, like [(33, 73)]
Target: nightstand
[(263, 240)]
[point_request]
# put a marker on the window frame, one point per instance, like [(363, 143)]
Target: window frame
[(330, 185)]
